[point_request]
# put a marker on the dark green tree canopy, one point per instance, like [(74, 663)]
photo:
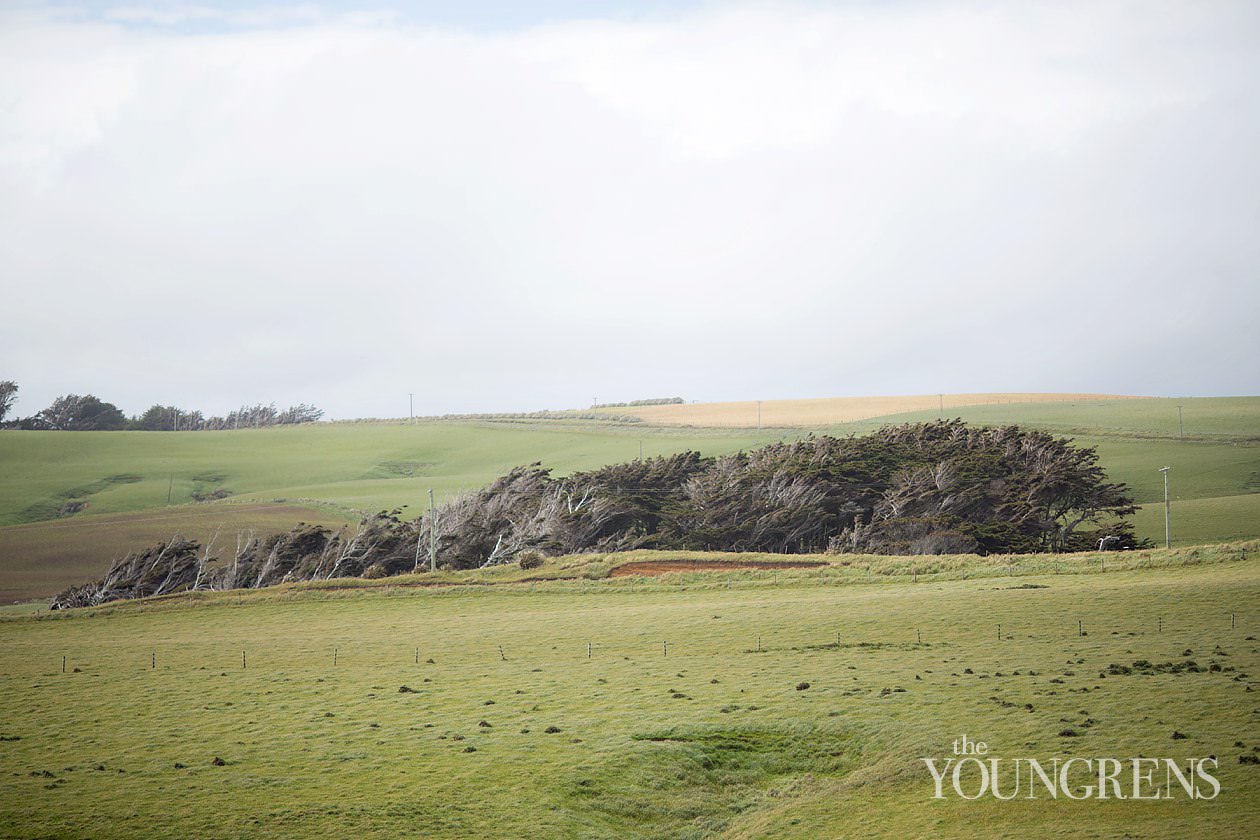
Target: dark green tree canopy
[(157, 418), (74, 413)]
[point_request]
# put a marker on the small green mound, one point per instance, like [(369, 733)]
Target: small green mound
[(397, 469), (704, 777), (73, 499)]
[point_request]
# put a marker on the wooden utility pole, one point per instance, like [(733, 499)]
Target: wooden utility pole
[(1167, 511)]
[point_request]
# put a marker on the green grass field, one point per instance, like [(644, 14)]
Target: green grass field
[(368, 466), (341, 470), (510, 730)]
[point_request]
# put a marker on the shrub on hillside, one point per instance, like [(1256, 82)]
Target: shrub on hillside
[(530, 558)]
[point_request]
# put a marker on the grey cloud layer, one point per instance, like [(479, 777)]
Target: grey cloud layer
[(761, 202)]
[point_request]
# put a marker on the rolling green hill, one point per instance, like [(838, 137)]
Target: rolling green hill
[(364, 466)]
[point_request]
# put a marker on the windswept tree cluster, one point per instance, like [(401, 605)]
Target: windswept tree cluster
[(930, 488), (75, 413)]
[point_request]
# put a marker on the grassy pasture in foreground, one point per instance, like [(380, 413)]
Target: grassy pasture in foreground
[(713, 738)]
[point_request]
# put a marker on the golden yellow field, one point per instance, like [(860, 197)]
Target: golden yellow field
[(822, 412)]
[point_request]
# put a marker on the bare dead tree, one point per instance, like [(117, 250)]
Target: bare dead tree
[(205, 558)]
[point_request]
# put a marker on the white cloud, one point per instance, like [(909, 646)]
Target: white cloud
[(178, 14), (771, 200)]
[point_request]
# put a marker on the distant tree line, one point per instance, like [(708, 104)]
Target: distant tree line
[(635, 403), (929, 488), (169, 418), (80, 413)]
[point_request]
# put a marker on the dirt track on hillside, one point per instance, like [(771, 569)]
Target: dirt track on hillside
[(660, 567)]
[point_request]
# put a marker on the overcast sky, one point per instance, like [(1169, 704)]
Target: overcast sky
[(513, 206)]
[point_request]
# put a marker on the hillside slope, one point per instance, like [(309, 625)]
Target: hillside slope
[(829, 411)]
